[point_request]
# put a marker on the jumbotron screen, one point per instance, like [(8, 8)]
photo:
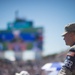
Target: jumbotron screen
[(20, 40)]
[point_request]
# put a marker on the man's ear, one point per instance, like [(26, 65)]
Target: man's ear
[(72, 33)]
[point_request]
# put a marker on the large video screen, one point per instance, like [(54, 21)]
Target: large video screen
[(20, 40)]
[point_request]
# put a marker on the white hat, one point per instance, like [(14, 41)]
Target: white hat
[(22, 73)]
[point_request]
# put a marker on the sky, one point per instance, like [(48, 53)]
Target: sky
[(52, 15)]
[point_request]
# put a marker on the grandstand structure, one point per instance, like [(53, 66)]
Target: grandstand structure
[(21, 38)]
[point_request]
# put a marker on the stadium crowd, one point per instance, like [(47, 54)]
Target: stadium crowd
[(8, 67)]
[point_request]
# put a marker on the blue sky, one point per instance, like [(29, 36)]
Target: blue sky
[(53, 15)]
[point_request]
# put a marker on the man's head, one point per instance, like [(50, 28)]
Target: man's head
[(69, 28), (69, 34)]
